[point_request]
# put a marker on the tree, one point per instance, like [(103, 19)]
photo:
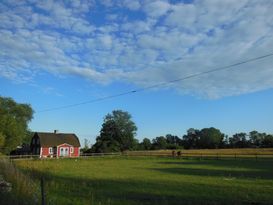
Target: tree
[(210, 138), (256, 138), (159, 143), (173, 141), (267, 141), (2, 141), (190, 140), (239, 140), (117, 133), (85, 148), (145, 144), (14, 119)]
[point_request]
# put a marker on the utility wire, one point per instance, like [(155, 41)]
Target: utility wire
[(158, 84)]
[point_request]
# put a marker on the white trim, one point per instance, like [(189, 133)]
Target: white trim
[(41, 152), (71, 150), (58, 154), (65, 144)]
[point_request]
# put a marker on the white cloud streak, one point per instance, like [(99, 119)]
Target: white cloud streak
[(140, 42)]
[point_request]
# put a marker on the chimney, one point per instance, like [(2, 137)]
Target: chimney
[(55, 131)]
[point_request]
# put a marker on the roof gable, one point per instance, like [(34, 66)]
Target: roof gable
[(48, 139)]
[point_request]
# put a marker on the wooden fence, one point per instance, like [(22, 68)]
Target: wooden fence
[(199, 155), (173, 154)]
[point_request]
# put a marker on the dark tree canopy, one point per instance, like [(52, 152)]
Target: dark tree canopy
[(145, 144), (117, 133), (210, 138), (14, 119), (239, 140), (160, 143), (207, 138)]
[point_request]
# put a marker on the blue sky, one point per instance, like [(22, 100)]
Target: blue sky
[(56, 53)]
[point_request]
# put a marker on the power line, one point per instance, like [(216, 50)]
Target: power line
[(158, 84)]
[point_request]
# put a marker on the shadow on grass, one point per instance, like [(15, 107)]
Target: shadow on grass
[(236, 168), (216, 173), (77, 190)]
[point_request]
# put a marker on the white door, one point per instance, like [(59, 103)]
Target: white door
[(66, 151), (62, 152)]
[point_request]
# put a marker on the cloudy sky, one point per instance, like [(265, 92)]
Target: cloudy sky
[(57, 53)]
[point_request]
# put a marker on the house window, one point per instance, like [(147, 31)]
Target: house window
[(71, 150), (50, 150)]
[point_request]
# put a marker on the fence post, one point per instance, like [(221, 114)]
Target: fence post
[(43, 191)]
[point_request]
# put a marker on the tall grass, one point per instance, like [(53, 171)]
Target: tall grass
[(25, 190)]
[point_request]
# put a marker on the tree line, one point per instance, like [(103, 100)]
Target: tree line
[(118, 134), (208, 138)]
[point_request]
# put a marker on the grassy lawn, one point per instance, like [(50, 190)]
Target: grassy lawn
[(143, 180)]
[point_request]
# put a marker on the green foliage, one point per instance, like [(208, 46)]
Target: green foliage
[(210, 138), (173, 142), (267, 141), (159, 143), (2, 140), (145, 144), (14, 118), (117, 133), (190, 140), (239, 140)]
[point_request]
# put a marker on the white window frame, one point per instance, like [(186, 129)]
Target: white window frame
[(71, 150), (50, 150)]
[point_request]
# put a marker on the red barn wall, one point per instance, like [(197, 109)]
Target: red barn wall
[(45, 152), (76, 152)]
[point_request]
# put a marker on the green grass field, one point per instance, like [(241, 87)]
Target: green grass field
[(144, 180)]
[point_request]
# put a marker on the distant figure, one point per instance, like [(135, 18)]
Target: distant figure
[(173, 153), (179, 153)]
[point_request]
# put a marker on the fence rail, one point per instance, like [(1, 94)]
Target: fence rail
[(201, 155), (156, 154)]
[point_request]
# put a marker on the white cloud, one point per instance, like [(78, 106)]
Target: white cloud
[(170, 41), (132, 4), (182, 15), (156, 8)]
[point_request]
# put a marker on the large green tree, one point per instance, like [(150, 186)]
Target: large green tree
[(206, 138), (117, 133), (14, 119), (210, 138)]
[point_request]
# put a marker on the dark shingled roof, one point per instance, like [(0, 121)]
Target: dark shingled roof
[(48, 139)]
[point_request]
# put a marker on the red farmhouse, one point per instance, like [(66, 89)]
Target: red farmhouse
[(55, 144)]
